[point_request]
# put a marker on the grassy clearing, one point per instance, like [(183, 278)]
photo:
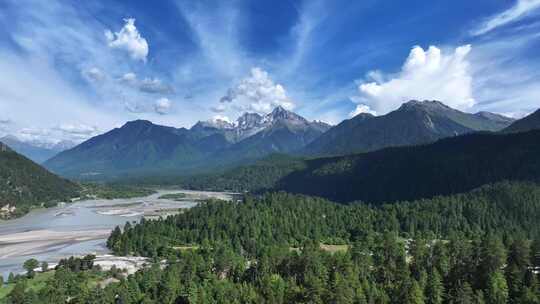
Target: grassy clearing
[(327, 248), (335, 248), (184, 248), (37, 283)]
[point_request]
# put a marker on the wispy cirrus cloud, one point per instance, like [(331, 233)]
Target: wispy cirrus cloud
[(519, 10)]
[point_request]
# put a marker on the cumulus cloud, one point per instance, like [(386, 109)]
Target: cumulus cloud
[(258, 93), (129, 78), (222, 118), (33, 134), (74, 132), (521, 9), (162, 106), (425, 75), (147, 85), (154, 85), (129, 39), (220, 108), (93, 75), (361, 108), (78, 129), (135, 107)]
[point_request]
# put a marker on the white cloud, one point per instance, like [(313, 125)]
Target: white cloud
[(93, 75), (220, 108), (222, 118), (162, 106), (4, 125), (361, 108), (146, 85), (215, 29), (154, 85), (33, 134), (521, 9), (75, 132), (258, 93), (78, 129), (130, 78), (425, 75), (130, 40), (21, 78)]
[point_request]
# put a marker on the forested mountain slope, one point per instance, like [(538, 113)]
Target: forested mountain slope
[(415, 122), (527, 123), (137, 146), (450, 165), (24, 184), (288, 220)]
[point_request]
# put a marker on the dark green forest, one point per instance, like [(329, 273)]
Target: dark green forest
[(477, 247), (506, 209), (257, 177), (24, 184), (448, 166)]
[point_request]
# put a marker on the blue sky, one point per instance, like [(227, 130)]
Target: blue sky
[(73, 69)]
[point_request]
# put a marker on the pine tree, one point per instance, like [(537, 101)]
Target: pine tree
[(418, 250), (415, 294), (342, 293), (493, 257), (435, 288), (44, 266), (497, 289), (517, 267), (463, 294)]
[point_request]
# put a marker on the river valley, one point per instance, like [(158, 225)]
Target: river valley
[(81, 228)]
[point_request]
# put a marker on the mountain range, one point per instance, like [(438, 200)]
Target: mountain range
[(141, 147), (24, 184), (37, 151), (530, 122), (451, 165), (415, 122)]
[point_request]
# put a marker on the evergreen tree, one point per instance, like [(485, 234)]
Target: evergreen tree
[(493, 258), (30, 265), (497, 289), (17, 295), (463, 294), (415, 295), (342, 292), (44, 266), (434, 288)]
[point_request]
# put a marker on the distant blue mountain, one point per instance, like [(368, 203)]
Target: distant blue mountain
[(38, 153), (142, 148)]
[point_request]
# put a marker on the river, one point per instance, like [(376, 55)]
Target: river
[(81, 228)]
